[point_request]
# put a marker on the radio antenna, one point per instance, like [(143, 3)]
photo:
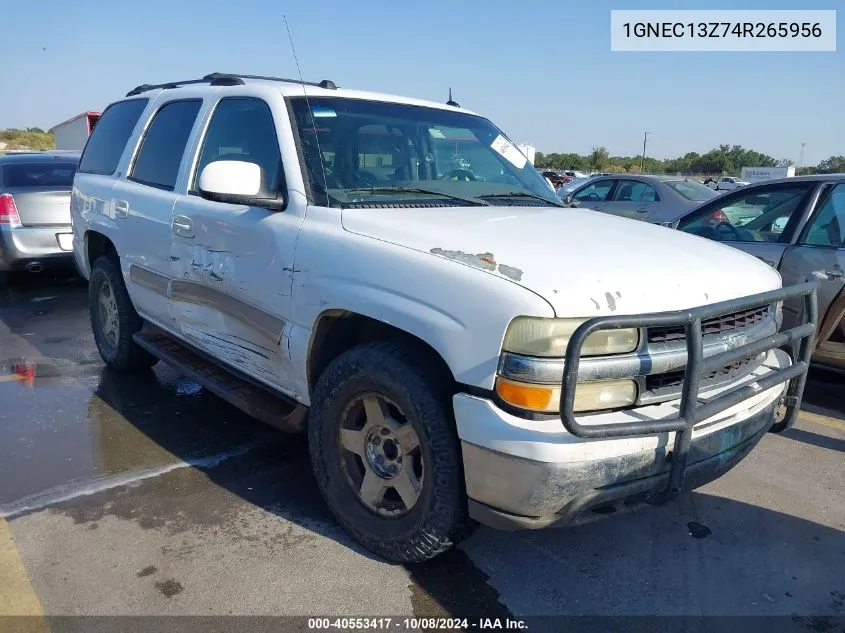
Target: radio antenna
[(311, 113)]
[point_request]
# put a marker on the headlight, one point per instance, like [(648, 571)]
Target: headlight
[(537, 336), (589, 396)]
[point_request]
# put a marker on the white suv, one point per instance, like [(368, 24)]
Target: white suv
[(395, 277)]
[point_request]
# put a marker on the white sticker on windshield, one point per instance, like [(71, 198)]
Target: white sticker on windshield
[(509, 151)]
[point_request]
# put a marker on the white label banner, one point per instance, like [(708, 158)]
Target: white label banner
[(723, 30)]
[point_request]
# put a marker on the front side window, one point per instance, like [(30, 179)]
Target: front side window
[(158, 159), (827, 227), (41, 174), (635, 191), (105, 145), (595, 192), (759, 215), (242, 129), (371, 153)]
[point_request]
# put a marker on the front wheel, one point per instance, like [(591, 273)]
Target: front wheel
[(114, 319), (386, 455)]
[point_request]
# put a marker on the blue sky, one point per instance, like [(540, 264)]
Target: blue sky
[(542, 71)]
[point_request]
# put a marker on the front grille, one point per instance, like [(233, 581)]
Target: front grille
[(675, 379), (716, 325)]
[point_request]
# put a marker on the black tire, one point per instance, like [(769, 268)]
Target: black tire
[(120, 353), (439, 518)]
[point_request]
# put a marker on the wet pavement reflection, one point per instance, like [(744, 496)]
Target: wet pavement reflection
[(65, 418)]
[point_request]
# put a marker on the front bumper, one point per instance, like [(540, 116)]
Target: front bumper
[(529, 474), (543, 495), (22, 245), (522, 473)]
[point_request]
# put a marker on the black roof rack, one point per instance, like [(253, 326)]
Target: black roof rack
[(227, 79)]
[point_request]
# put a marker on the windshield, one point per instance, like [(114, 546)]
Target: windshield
[(370, 153), (691, 190)]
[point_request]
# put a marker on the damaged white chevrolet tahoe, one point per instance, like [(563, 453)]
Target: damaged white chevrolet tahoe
[(394, 277)]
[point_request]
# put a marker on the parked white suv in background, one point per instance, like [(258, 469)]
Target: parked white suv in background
[(395, 277)]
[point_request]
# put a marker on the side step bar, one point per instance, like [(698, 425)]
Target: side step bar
[(235, 388)]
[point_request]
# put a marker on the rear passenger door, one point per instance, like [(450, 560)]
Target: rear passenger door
[(633, 199), (143, 207), (232, 264)]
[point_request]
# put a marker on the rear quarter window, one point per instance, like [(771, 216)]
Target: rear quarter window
[(107, 141), (43, 174)]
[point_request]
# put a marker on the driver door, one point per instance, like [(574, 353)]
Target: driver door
[(759, 221), (231, 264)]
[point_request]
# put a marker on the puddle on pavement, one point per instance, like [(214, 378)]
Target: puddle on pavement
[(61, 422), (451, 585)]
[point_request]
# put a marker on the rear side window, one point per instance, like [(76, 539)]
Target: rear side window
[(45, 174), (158, 160), (105, 146), (827, 228), (635, 191)]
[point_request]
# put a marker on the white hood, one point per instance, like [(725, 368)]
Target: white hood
[(585, 263)]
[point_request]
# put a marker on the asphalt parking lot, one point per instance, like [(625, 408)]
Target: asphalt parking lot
[(145, 495)]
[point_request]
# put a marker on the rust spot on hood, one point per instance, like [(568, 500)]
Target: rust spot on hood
[(511, 272), (482, 261)]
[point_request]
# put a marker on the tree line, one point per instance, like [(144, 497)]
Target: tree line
[(29, 138), (722, 160)]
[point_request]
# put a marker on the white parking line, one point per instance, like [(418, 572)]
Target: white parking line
[(67, 492)]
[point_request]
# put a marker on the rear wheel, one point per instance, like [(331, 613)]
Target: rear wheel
[(385, 453), (114, 319)]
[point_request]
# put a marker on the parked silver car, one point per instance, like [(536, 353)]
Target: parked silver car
[(35, 230), (652, 198), (796, 225)]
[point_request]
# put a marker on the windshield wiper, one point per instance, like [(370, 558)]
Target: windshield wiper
[(434, 192), (523, 194)]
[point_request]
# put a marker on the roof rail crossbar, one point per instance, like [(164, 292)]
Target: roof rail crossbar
[(328, 84), (226, 79), (215, 79)]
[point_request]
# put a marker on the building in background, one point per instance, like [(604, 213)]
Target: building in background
[(73, 133)]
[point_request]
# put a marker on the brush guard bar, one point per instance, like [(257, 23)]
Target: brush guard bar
[(692, 410)]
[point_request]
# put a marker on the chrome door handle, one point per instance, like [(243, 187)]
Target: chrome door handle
[(121, 209), (183, 226)]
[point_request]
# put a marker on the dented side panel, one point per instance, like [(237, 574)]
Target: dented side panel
[(231, 287)]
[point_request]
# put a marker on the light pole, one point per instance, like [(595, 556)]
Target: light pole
[(801, 159), (642, 160)]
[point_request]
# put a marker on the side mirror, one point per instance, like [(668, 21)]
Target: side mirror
[(237, 182), (567, 199)]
